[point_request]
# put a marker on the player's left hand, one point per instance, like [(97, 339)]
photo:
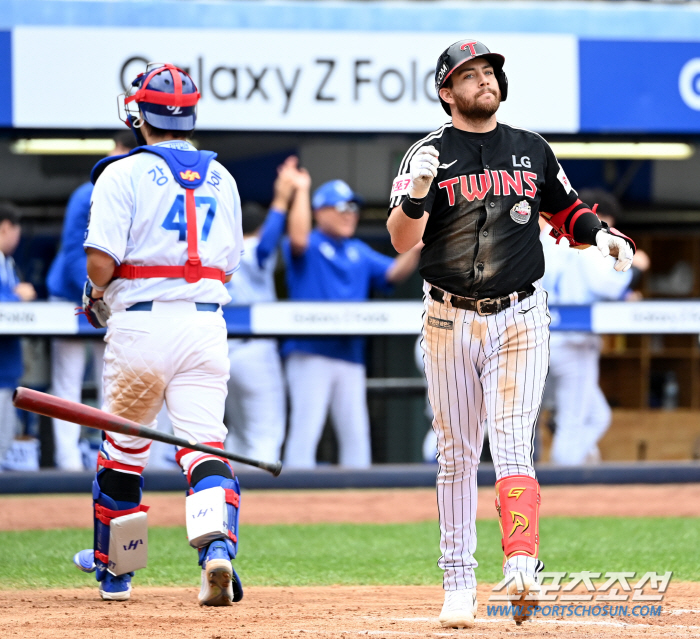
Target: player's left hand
[(95, 309), (612, 242)]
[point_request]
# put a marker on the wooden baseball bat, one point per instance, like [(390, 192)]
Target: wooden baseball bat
[(51, 406)]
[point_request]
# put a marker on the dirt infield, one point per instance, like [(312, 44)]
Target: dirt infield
[(307, 613), (341, 612), (45, 512)]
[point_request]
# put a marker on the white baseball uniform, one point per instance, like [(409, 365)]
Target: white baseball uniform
[(256, 409), (174, 352), (68, 362), (582, 412)]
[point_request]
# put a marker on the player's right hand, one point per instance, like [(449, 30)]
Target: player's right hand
[(424, 166), (95, 309), (285, 184)]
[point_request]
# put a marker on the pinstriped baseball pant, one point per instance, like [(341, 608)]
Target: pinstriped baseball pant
[(482, 372)]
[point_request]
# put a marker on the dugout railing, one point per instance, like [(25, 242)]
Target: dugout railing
[(378, 318)]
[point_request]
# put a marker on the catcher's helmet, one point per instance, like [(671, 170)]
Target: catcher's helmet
[(457, 54), (166, 98)]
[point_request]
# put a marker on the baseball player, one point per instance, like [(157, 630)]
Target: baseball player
[(324, 374), (163, 238), (581, 277), (472, 191), (65, 283), (256, 411)]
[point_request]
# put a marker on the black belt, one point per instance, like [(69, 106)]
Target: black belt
[(486, 306), (148, 306)]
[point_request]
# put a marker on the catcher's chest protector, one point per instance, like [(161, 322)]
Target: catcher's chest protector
[(189, 168)]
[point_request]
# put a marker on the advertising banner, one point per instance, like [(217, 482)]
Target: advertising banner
[(640, 87), (38, 318), (283, 80), (367, 318), (343, 80), (668, 316)]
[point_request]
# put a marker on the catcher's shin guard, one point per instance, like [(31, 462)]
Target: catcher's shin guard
[(212, 508), (120, 528), (518, 506)]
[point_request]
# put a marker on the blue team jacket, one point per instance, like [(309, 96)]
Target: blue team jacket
[(68, 271), (10, 350)]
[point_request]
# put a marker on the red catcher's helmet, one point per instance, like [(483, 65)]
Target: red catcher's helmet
[(460, 52)]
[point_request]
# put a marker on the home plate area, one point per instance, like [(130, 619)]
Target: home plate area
[(309, 612)]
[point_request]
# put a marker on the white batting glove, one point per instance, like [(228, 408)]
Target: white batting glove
[(424, 166), (609, 244)]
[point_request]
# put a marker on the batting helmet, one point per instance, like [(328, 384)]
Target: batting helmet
[(460, 52), (166, 98)]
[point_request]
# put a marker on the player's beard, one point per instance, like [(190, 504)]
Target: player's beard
[(474, 110)]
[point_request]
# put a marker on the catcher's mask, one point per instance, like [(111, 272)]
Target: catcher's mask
[(164, 96), (460, 52)]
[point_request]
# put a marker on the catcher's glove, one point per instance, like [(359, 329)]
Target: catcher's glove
[(96, 310)]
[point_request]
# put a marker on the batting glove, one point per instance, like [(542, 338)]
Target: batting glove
[(96, 310), (611, 242), (424, 167)]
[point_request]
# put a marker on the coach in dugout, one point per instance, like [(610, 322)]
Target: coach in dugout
[(11, 290), (256, 411), (65, 282), (324, 373)]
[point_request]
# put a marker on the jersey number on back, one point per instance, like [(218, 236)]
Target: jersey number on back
[(176, 219)]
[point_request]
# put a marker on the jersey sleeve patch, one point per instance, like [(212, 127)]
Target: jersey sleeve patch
[(400, 185), (561, 176)]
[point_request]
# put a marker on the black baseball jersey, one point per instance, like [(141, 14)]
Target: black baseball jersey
[(482, 235)]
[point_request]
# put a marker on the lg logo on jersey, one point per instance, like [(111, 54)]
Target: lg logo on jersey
[(524, 161), (476, 186)]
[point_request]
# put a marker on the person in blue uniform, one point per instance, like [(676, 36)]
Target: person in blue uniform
[(65, 282), (11, 290), (328, 373), (256, 410)]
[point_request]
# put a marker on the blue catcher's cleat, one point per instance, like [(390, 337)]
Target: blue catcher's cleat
[(111, 588), (116, 588), (221, 585), (85, 560)]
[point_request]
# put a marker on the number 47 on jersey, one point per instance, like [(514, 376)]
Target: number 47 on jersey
[(176, 219)]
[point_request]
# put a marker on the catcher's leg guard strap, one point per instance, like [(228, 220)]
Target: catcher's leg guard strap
[(189, 459), (116, 495), (518, 505), (212, 507)]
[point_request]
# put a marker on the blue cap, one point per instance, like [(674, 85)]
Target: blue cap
[(332, 193)]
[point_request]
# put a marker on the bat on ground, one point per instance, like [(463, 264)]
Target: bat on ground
[(51, 406)]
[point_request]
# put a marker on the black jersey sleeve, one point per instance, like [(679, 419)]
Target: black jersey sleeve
[(562, 208)]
